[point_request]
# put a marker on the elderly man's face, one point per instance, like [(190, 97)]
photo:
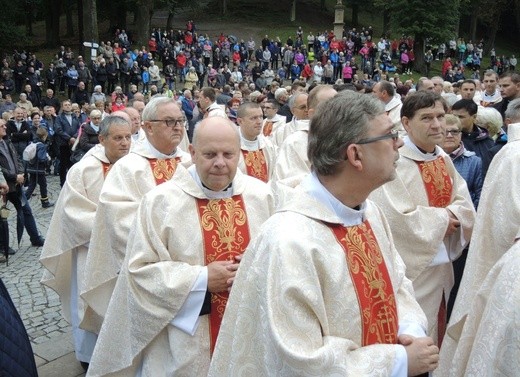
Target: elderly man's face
[(216, 153)]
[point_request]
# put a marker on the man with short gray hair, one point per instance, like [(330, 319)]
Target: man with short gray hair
[(64, 253), (150, 163), (322, 289)]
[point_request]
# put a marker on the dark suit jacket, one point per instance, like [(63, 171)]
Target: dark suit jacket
[(10, 177)]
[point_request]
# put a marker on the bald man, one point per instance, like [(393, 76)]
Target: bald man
[(177, 274)]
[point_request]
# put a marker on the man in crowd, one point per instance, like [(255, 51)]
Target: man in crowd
[(385, 91), (258, 155), (13, 170), (475, 138), (66, 132), (491, 95), (209, 105), (509, 84), (65, 251), (293, 163), (299, 118), (334, 299), (176, 275), (492, 237), (428, 207), (467, 89), (19, 131), (151, 162)]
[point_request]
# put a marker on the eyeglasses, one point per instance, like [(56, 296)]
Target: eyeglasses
[(171, 122), (453, 132), (394, 135)]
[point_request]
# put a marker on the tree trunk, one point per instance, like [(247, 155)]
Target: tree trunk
[(473, 25), (293, 11), (81, 30), (169, 21), (322, 5), (117, 14), (224, 7), (90, 22), (355, 15), (491, 40), (386, 21), (418, 49), (29, 18), (52, 22), (68, 13), (143, 15)]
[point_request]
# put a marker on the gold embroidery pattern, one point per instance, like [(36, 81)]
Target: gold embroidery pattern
[(224, 215), (256, 165), (372, 283), (226, 234), (437, 182), (163, 169)]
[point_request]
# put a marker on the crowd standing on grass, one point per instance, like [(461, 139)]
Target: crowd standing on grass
[(205, 125)]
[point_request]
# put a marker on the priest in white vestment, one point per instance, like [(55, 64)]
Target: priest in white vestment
[(292, 163), (322, 290), (490, 341), (272, 120), (498, 220), (182, 256), (150, 163), (298, 106), (385, 91), (428, 207), (258, 155), (65, 250)]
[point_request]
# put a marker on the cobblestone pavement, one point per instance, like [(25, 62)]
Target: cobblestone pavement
[(39, 306)]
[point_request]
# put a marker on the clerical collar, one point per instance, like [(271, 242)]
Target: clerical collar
[(249, 145), (210, 194), (348, 216), (158, 154), (427, 156)]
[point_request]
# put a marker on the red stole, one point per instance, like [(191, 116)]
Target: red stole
[(374, 290), (106, 167), (268, 128), (163, 169), (225, 231), (256, 166), (439, 188), (437, 182)]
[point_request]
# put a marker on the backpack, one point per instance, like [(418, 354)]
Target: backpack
[(29, 153)]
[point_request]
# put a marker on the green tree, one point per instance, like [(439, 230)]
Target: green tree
[(11, 35), (425, 19)]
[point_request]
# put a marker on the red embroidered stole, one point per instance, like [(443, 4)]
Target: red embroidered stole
[(439, 188), (106, 167), (268, 128), (371, 281), (256, 166), (437, 182), (163, 169), (225, 232)]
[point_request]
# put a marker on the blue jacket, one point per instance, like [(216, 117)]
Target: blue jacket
[(469, 166)]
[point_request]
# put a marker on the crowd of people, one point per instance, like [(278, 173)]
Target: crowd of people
[(265, 192)]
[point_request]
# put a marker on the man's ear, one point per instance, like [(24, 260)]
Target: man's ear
[(406, 123), (354, 156)]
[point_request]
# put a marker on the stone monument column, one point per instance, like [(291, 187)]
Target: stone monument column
[(339, 15)]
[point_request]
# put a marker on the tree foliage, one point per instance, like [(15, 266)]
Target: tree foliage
[(11, 35)]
